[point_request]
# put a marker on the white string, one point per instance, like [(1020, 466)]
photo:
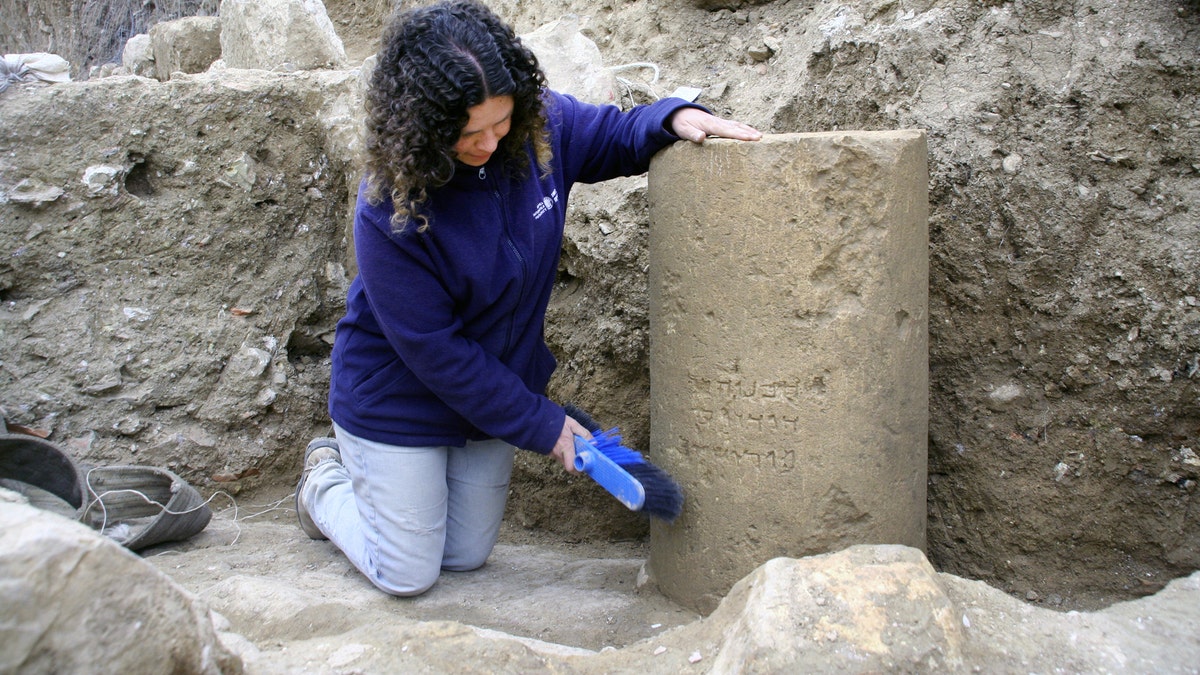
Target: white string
[(630, 86), (104, 508), (263, 509), (104, 526), (638, 64)]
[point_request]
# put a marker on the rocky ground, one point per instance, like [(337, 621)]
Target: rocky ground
[(245, 607), (583, 595)]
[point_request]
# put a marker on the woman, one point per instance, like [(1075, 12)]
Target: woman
[(439, 366)]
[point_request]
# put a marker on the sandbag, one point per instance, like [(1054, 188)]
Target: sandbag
[(33, 67)]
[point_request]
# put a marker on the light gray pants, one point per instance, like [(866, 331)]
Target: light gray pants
[(403, 514)]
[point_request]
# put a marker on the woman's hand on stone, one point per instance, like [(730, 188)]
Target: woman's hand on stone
[(695, 125)]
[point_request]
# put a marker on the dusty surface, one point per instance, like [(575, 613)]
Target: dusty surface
[(535, 586), (541, 607), (179, 313), (865, 609)]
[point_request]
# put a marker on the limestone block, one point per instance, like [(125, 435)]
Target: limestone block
[(877, 607), (187, 45), (75, 602), (138, 56), (33, 192), (281, 35), (789, 341), (571, 61)]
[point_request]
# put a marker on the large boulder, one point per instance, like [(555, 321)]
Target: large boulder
[(188, 45), (571, 61), (870, 609), (75, 602), (138, 56), (283, 35)]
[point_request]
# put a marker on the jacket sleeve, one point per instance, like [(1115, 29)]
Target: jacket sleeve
[(598, 142), (416, 313)]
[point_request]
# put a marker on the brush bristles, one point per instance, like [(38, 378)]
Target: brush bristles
[(583, 418), (609, 442), (664, 498)]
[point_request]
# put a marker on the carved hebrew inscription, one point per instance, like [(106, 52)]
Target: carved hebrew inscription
[(753, 421)]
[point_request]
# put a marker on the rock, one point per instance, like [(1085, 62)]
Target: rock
[(726, 4), (1187, 456), (884, 609), (76, 602), (101, 179), (105, 70), (33, 192), (241, 392), (188, 45), (138, 55), (1004, 396), (1156, 634), (1061, 471), (572, 62), (759, 52), (283, 35), (241, 172), (865, 609), (876, 607)]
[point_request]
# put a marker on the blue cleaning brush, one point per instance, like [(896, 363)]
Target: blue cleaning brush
[(625, 473), (602, 469)]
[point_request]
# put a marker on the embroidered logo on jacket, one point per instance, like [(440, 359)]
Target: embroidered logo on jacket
[(546, 204)]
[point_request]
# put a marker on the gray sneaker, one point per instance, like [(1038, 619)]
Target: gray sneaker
[(319, 451)]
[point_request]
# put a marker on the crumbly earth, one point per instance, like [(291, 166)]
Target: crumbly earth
[(1064, 307)]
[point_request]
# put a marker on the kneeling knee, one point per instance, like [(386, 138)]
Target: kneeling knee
[(464, 564), (406, 585)]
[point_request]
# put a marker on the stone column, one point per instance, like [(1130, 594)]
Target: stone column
[(789, 350)]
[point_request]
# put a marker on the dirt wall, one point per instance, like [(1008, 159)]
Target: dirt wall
[(172, 269)]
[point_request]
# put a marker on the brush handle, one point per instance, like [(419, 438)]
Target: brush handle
[(627, 489)]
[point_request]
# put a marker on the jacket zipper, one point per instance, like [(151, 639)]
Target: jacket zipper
[(521, 261)]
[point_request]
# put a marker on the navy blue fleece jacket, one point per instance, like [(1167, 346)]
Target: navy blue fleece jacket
[(442, 341)]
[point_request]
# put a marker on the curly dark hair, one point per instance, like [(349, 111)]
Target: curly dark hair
[(434, 63)]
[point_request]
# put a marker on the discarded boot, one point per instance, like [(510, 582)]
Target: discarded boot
[(136, 506), (140, 506), (41, 472)]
